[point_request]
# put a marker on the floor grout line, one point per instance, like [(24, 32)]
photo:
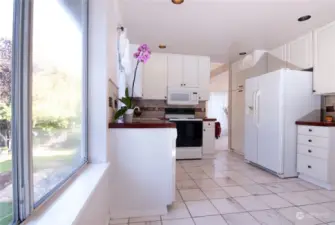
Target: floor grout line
[(199, 167)]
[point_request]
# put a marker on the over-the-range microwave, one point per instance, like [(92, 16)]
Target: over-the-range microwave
[(183, 96)]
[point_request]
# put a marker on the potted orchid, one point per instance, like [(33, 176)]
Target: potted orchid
[(127, 111)]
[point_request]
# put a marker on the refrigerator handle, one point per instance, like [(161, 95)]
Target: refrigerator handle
[(257, 107), (254, 105)]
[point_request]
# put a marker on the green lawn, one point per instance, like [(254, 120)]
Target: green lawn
[(41, 162), (5, 166), (5, 213)]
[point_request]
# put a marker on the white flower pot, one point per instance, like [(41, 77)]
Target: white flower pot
[(128, 116)]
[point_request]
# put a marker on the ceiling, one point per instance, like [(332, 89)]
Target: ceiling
[(221, 28)]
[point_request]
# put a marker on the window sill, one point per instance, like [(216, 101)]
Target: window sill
[(75, 199)]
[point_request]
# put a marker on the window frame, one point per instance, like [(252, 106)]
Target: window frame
[(22, 169)]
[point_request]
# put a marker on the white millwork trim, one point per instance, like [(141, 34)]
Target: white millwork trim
[(320, 183), (189, 153)]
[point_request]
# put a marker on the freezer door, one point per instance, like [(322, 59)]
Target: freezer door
[(270, 121), (250, 125)]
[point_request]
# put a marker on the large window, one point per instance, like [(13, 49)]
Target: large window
[(6, 186), (43, 102), (58, 92)]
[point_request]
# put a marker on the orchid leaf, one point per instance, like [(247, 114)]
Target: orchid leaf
[(120, 113), (126, 101)]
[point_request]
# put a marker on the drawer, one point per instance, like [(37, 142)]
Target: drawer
[(209, 124), (312, 151), (314, 131), (319, 142), (314, 167)]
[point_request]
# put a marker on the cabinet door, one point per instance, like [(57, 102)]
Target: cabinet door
[(300, 52), (324, 61), (191, 71), (208, 143), (204, 77), (155, 77), (175, 70), (250, 121), (277, 58)]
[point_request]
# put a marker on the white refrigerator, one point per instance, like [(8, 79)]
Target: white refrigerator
[(273, 102)]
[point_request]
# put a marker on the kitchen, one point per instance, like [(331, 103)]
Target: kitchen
[(169, 78)]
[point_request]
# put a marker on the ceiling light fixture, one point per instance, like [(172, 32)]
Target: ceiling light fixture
[(177, 2), (304, 18), (243, 53), (162, 46)]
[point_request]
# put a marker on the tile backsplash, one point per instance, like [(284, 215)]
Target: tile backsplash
[(156, 108), (329, 103)]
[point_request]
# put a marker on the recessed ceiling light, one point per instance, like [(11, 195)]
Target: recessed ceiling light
[(243, 53), (304, 18), (162, 46), (177, 2)]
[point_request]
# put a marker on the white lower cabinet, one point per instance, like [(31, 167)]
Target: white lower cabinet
[(208, 138), (316, 154)]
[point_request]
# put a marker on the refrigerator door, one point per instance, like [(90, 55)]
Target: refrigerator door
[(250, 125), (270, 121)]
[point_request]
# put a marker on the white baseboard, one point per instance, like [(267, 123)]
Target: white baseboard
[(323, 184), (138, 213)]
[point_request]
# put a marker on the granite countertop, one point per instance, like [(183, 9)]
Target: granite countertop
[(203, 118), (315, 118), (209, 119), (143, 124)]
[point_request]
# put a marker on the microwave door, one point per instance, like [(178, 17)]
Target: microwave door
[(182, 98)]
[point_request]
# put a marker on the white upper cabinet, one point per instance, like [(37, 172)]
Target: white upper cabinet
[(204, 77), (155, 77), (191, 71), (300, 52), (175, 70), (324, 60), (277, 58)]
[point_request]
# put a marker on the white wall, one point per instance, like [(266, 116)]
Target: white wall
[(96, 209), (220, 83), (104, 18)]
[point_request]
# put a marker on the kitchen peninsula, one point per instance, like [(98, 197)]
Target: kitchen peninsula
[(143, 162)]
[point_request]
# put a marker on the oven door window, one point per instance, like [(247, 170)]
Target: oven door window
[(189, 133)]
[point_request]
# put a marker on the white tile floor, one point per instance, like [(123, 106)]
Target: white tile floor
[(224, 190)]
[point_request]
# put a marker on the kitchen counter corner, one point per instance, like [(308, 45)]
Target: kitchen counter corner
[(143, 124), (315, 118)]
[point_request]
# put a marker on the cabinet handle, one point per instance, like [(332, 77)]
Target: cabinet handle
[(181, 84), (310, 151), (309, 140), (314, 91), (309, 167), (310, 130), (204, 129), (165, 97)]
